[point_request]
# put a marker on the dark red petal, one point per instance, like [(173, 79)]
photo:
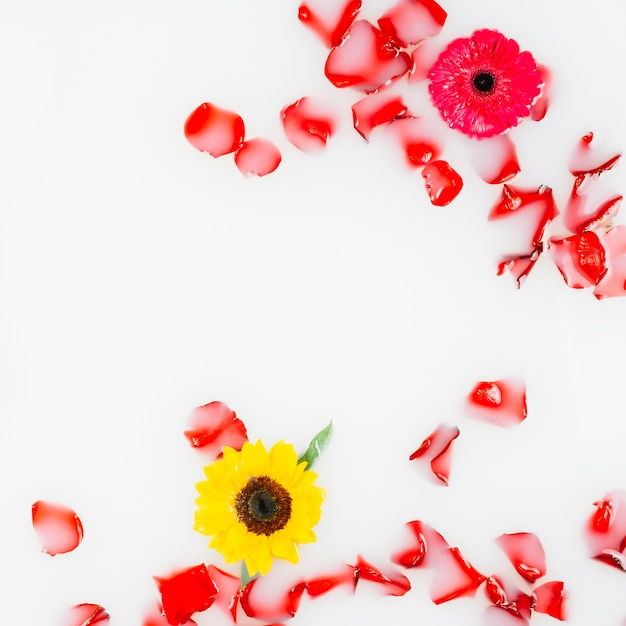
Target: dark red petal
[(424, 546), (454, 577), (442, 183), (58, 527), (186, 592), (323, 584), (526, 553), (366, 59), (329, 20), (580, 259), (540, 108), (520, 266), (308, 124), (436, 448), (214, 130), (375, 110), (501, 402), (214, 426), (228, 590), (495, 159), (393, 584), (417, 138), (584, 162), (88, 615), (258, 605), (411, 21), (257, 157), (550, 599)]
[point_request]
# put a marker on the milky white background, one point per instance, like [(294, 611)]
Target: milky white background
[(140, 278)]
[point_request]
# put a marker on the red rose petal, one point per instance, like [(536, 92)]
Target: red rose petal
[(454, 577), (58, 527), (425, 545), (155, 617), (261, 606), (584, 161), (214, 426), (526, 553), (186, 592), (520, 266), (308, 124), (366, 59), (580, 259), (375, 110), (606, 526), (228, 590), (417, 138), (88, 615), (214, 130), (540, 108), (578, 217), (497, 616), (393, 584), (442, 183), (257, 157), (613, 283), (550, 599), (501, 402), (323, 584), (495, 159), (329, 20), (423, 57), (411, 21), (508, 597), (436, 448)]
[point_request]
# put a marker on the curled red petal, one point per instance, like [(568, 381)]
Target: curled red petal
[(423, 58), (58, 527), (323, 584), (393, 584), (366, 59), (424, 545), (508, 597), (412, 21), (258, 605), (580, 259), (214, 130), (186, 592), (520, 265), (214, 426), (329, 20), (228, 590), (501, 402), (88, 615), (454, 577), (584, 161), (526, 553), (495, 159), (308, 124), (577, 216), (418, 140), (374, 110), (443, 184), (257, 157), (436, 449), (550, 599)]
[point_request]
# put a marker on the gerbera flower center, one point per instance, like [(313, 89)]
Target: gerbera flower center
[(263, 505), (484, 82)]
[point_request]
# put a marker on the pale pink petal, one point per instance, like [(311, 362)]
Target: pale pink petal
[(411, 21), (423, 58), (329, 19), (214, 130), (376, 109), (257, 157), (416, 137), (228, 590), (308, 124), (87, 615), (496, 616), (580, 259), (540, 108), (454, 577), (366, 59), (495, 159), (501, 402), (443, 184), (526, 553), (58, 527)]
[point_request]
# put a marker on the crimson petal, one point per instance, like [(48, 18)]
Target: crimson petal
[(323, 584), (520, 265), (583, 162), (228, 590), (495, 159), (416, 137), (606, 527), (58, 527), (526, 553)]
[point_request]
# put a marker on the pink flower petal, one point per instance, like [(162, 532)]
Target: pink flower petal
[(393, 584), (214, 130), (424, 547), (495, 159), (186, 592), (375, 110), (419, 141), (606, 526), (501, 402), (88, 615), (580, 259), (366, 59), (550, 599), (443, 184), (262, 606), (436, 448), (323, 584), (526, 553), (520, 265), (539, 110), (585, 162), (257, 157), (411, 21), (454, 577), (308, 124), (329, 20), (58, 527), (214, 426)]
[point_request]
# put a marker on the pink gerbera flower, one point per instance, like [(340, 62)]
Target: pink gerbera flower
[(483, 85)]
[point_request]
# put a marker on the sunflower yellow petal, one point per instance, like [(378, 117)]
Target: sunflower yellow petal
[(283, 547)]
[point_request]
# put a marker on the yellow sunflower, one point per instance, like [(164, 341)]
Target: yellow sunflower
[(257, 505)]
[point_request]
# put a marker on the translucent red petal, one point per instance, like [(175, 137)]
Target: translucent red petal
[(417, 138), (87, 615), (454, 577), (550, 599), (580, 259), (605, 528), (329, 20), (526, 553), (519, 266), (495, 159), (308, 124), (585, 160), (423, 546), (323, 584), (58, 527), (501, 402), (411, 21), (374, 110), (442, 183), (214, 130), (393, 584), (436, 449), (257, 157), (259, 605)]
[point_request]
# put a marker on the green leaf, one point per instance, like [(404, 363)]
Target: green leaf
[(245, 575), (317, 445)]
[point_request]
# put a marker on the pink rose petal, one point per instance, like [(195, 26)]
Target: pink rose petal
[(580, 259), (308, 124), (58, 527), (412, 21), (436, 449), (257, 157), (214, 130), (88, 615), (374, 110), (329, 19), (366, 59), (214, 426), (526, 553), (501, 402)]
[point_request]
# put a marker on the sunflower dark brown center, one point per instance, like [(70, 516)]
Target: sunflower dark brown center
[(484, 82), (263, 505)]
